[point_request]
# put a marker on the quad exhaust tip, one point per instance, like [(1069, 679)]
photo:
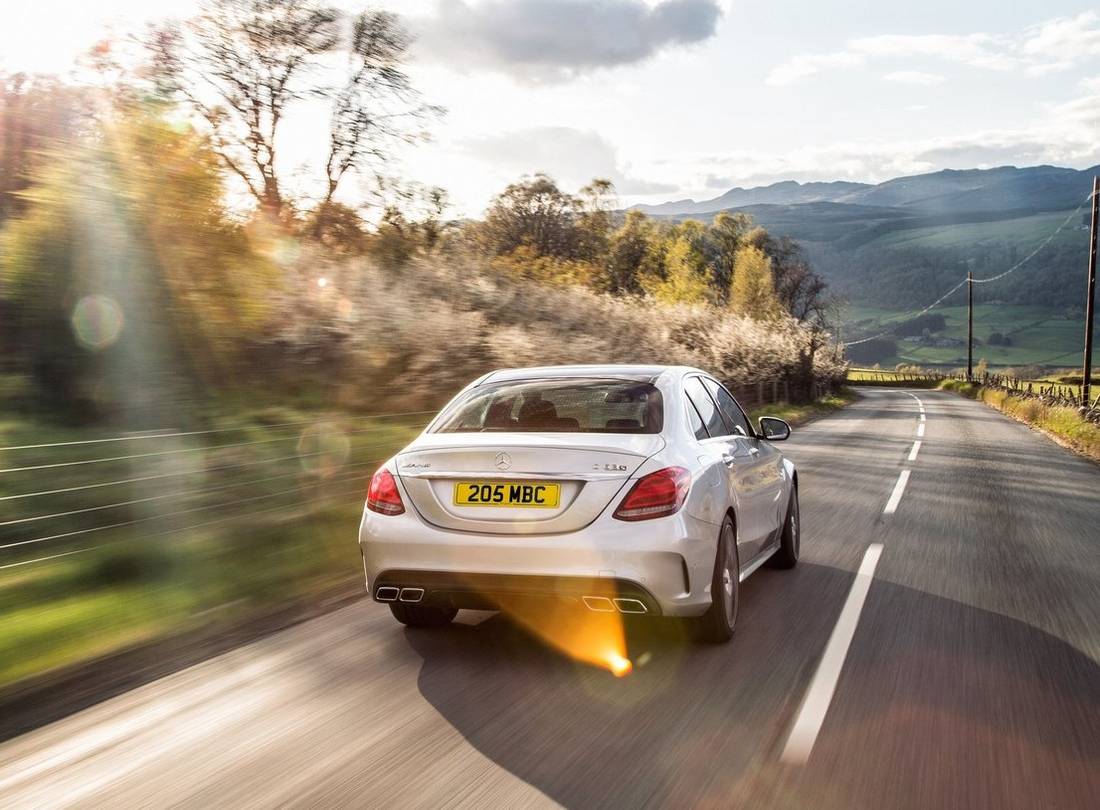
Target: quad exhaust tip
[(631, 606), (600, 604), (412, 594), (387, 593), (603, 604)]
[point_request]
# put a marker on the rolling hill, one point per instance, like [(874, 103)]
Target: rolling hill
[(899, 245)]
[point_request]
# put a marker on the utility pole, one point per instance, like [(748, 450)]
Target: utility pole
[(969, 325), (1086, 377)]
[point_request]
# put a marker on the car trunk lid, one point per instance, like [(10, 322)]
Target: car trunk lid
[(589, 470)]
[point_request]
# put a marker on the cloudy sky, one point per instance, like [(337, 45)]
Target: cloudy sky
[(686, 98)]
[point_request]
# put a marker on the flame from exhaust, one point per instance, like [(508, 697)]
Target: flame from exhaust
[(593, 638), (619, 665)]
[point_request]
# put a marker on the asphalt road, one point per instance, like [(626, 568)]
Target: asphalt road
[(968, 676)]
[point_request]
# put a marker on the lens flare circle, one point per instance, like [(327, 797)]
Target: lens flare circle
[(97, 321), (323, 449)]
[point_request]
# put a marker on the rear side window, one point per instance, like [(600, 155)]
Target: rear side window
[(735, 417), (699, 397), (697, 425), (557, 406)]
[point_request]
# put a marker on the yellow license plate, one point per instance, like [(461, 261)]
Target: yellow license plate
[(528, 494)]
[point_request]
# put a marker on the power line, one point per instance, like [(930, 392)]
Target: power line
[(942, 298), (1042, 245), (931, 306)]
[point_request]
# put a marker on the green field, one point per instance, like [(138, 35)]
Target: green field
[(1023, 232), (1039, 336)]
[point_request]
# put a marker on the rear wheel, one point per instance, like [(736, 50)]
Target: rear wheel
[(718, 623), (790, 542), (422, 615)]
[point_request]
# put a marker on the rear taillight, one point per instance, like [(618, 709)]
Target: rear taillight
[(382, 495), (656, 495)]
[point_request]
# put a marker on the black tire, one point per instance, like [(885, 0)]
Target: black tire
[(718, 623), (790, 542), (422, 615)]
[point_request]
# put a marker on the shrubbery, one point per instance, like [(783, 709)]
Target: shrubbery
[(422, 333)]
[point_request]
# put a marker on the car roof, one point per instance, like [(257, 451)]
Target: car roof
[(649, 373)]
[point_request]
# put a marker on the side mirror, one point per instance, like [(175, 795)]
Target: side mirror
[(773, 429)]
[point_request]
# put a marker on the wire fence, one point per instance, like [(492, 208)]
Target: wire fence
[(57, 499), (875, 376), (56, 502), (1046, 391), (780, 390), (1049, 392)]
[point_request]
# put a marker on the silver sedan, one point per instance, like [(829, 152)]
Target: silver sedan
[(627, 489)]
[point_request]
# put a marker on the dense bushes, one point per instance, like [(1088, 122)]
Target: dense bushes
[(421, 333)]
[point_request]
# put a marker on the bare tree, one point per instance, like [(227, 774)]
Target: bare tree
[(377, 106), (240, 64)]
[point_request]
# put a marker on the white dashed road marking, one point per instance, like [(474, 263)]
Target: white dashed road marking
[(895, 496), (811, 714), (816, 703)]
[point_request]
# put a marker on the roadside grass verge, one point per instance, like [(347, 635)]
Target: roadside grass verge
[(1063, 424), (239, 532), (796, 415)]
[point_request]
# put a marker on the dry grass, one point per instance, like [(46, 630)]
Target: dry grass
[(436, 324), (1065, 425)]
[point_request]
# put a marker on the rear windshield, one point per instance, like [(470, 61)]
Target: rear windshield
[(557, 406)]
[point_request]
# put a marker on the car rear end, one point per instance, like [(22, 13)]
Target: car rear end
[(539, 488)]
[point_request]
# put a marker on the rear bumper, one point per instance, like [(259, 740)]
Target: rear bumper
[(666, 564), (495, 591)]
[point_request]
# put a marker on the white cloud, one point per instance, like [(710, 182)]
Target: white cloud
[(915, 77), (809, 64), (1065, 135), (978, 50), (1057, 44), (1063, 42), (557, 40), (572, 156)]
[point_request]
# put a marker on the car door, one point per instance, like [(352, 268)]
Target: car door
[(758, 465), (725, 451)]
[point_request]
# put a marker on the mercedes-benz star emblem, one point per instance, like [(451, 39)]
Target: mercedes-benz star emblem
[(504, 461)]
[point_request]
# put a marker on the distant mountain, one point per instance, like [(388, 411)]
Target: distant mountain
[(787, 192), (947, 192)]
